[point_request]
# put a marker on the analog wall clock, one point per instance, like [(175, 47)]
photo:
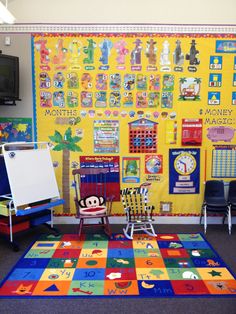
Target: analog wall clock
[(185, 163)]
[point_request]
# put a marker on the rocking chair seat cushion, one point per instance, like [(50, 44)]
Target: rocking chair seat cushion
[(93, 211)]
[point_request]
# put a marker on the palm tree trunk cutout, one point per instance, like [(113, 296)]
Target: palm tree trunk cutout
[(66, 144)]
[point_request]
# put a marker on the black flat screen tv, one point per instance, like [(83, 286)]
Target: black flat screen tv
[(9, 77)]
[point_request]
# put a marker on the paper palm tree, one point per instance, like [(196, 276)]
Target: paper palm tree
[(66, 144), (198, 81), (182, 80)]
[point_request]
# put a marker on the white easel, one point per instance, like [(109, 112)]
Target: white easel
[(32, 180)]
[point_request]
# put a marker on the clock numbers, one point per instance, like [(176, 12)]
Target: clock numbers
[(185, 163)]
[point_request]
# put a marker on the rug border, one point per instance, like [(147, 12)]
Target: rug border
[(213, 249), (220, 296)]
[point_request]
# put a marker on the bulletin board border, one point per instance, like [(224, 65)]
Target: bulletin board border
[(119, 28)]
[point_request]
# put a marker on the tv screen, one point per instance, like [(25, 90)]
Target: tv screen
[(9, 77)]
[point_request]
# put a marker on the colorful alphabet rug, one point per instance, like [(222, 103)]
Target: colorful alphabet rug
[(170, 265)]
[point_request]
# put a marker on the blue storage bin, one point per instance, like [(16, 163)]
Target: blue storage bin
[(36, 220)]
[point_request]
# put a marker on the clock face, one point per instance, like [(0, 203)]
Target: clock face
[(185, 163)]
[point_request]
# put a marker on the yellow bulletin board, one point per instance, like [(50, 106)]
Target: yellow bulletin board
[(165, 104)]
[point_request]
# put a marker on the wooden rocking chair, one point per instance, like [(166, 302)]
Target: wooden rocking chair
[(138, 213), (90, 199)]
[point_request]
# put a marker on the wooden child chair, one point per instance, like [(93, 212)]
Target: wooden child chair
[(91, 200)]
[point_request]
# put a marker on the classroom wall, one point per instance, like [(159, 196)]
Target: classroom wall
[(21, 47), (157, 114), (171, 12), (123, 11), (103, 11)]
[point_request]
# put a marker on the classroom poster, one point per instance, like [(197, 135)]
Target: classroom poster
[(184, 171), (131, 169), (128, 94), (15, 130), (111, 184), (106, 136), (224, 161), (153, 164)]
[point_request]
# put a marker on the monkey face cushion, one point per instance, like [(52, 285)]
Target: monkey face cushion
[(92, 205)]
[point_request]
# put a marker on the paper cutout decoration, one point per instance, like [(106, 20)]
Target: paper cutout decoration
[(191, 132), (213, 98), (171, 132), (142, 136), (189, 88), (153, 164), (220, 133), (130, 169), (215, 62)]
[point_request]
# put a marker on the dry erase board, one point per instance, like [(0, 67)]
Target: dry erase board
[(31, 175)]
